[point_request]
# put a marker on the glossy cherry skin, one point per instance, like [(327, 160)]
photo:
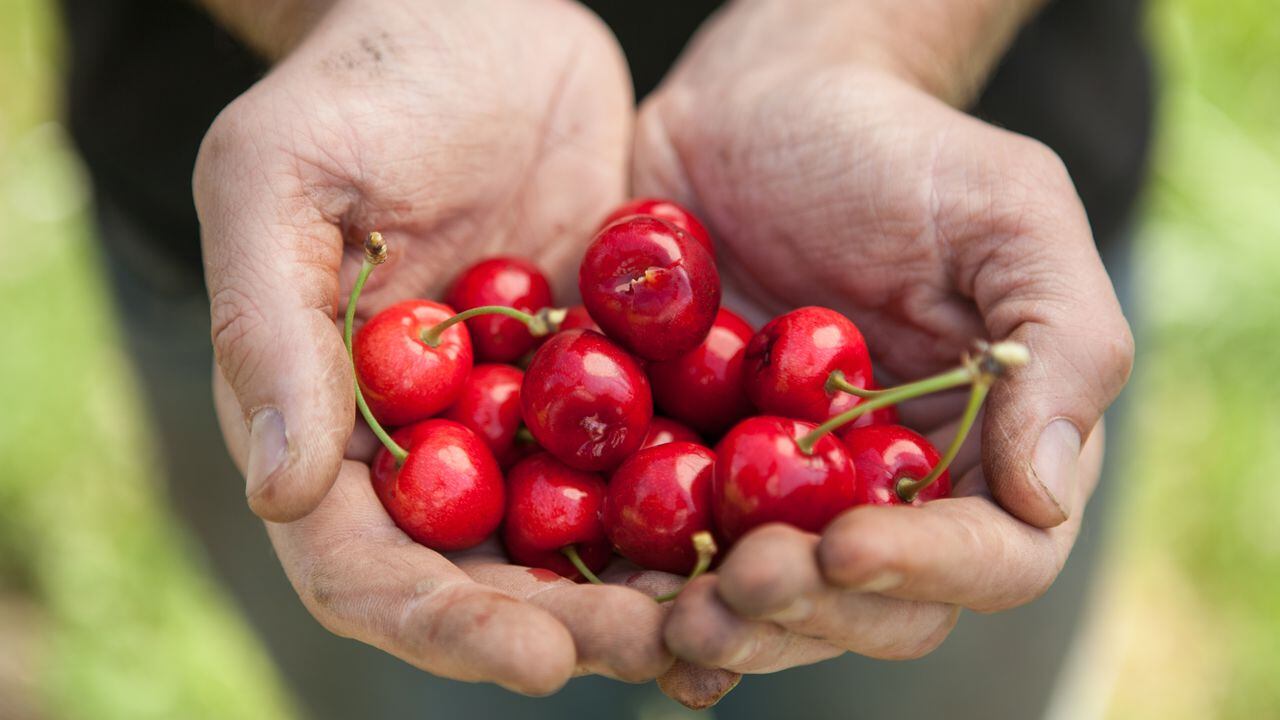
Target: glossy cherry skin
[(489, 405), (403, 379), (652, 288), (549, 507), (449, 494), (673, 213), (657, 500), (577, 317), (761, 476), (704, 387), (586, 400), (789, 360), (505, 281), (882, 454), (665, 430)]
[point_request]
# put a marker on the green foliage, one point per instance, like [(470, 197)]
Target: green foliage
[(131, 625)]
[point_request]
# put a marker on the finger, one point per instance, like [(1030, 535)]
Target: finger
[(964, 550), (1036, 277), (271, 265), (772, 574), (362, 578), (697, 688), (704, 631), (616, 630)]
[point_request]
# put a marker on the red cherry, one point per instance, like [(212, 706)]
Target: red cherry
[(489, 405), (657, 500), (652, 288), (704, 387), (578, 317), (789, 360), (664, 430), (667, 210), (761, 476), (586, 400), (403, 379), (448, 494), (505, 281), (884, 454), (551, 506)]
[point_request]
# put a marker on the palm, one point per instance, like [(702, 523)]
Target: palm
[(498, 126), (849, 198)]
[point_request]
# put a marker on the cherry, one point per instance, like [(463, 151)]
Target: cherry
[(762, 476), (790, 360), (403, 378), (651, 287), (550, 508), (657, 500), (508, 282), (586, 400), (884, 455), (673, 213), (704, 387), (448, 493), (489, 405), (578, 317), (664, 430)]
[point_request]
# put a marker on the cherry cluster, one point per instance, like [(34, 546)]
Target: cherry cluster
[(567, 454)]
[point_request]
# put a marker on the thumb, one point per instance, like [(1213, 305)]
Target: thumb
[(271, 266), (1037, 278)]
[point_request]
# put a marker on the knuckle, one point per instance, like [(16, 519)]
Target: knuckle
[(933, 639), (852, 552), (235, 320)]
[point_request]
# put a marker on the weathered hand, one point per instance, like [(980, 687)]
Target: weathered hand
[(834, 181), (458, 130)]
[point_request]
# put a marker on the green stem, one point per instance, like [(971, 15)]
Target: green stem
[(544, 322), (375, 253), (705, 546), (571, 552), (837, 382), (943, 381), (908, 488)]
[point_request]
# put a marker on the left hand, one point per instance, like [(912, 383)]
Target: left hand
[(839, 181)]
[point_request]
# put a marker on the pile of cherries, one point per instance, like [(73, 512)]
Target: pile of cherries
[(567, 454)]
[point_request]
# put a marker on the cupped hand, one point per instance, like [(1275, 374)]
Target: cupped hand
[(831, 180), (458, 130)]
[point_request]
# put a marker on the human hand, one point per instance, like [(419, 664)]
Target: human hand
[(458, 130), (832, 178)]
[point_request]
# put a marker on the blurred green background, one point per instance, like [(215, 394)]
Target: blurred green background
[(107, 609)]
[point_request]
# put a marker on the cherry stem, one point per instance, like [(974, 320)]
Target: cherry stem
[(944, 381), (705, 546), (908, 488), (375, 253), (837, 382), (571, 552), (543, 322), (988, 361)]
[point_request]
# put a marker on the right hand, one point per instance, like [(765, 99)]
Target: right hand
[(458, 130)]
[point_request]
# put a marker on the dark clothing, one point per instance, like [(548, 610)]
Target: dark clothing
[(146, 78)]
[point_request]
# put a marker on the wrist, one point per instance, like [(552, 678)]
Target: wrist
[(271, 28), (947, 48)]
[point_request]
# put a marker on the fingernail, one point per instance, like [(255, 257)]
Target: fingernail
[(268, 448), (1054, 463), (799, 610), (884, 581)]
